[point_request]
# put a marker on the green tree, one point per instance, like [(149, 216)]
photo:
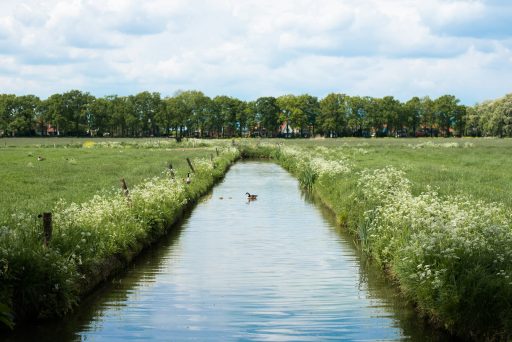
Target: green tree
[(333, 114), (412, 110), (7, 113), (445, 109), (267, 115), (311, 108), (428, 114), (99, 116), (147, 107), (73, 107)]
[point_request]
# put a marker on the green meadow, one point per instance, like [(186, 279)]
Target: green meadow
[(75, 173), (476, 167)]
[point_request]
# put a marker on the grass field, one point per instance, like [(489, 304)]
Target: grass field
[(480, 168), (74, 174), (476, 167)]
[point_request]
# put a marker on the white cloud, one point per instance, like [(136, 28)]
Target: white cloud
[(254, 48)]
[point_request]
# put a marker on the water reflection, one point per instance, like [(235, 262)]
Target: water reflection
[(270, 269)]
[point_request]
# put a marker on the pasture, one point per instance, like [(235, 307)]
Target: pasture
[(75, 173), (476, 167)]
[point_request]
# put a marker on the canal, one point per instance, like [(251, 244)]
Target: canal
[(275, 269)]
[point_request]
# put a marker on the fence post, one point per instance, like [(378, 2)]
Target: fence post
[(47, 228), (124, 187), (190, 164)]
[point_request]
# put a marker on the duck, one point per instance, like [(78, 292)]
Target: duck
[(187, 180), (251, 197)]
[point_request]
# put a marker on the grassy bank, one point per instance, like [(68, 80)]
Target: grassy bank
[(449, 251), (91, 238)]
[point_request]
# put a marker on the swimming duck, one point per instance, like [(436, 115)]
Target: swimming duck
[(251, 197)]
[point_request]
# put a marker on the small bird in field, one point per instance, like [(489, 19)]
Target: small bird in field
[(187, 180), (251, 197), (39, 158)]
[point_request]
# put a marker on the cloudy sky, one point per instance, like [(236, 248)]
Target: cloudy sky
[(253, 48)]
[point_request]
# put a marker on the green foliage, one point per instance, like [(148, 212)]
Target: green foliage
[(307, 178), (193, 114), (6, 317)]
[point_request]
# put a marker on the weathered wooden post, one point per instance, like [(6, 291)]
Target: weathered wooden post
[(190, 165), (47, 228), (124, 187)]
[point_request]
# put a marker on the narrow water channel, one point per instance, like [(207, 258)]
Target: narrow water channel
[(273, 269)]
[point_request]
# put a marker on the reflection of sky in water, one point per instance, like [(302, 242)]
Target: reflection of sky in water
[(272, 269)]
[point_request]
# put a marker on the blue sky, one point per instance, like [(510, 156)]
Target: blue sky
[(254, 48)]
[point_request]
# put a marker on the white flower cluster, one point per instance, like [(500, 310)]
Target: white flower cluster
[(427, 240), (323, 161), (430, 144)]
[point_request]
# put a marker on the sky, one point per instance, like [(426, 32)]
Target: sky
[(253, 48)]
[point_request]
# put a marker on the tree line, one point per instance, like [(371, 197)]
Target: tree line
[(191, 113)]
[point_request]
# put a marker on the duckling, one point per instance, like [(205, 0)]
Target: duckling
[(40, 158), (187, 180), (251, 197)]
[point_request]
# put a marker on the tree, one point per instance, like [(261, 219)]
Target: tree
[(391, 110), (99, 116), (333, 114), (363, 114), (289, 112), (226, 115), (427, 114), (445, 109), (73, 106), (7, 105), (267, 114), (412, 110), (24, 115), (311, 108), (193, 108), (146, 107)]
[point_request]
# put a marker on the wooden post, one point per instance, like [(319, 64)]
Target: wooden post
[(190, 164), (217, 150), (124, 187), (47, 228)]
